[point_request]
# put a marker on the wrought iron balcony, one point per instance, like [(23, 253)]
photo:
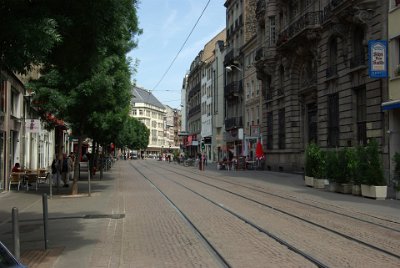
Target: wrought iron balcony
[(307, 21), (331, 6), (233, 89), (196, 109), (357, 61), (233, 122), (230, 57), (194, 90)]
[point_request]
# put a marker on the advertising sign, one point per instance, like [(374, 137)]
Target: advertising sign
[(377, 58)]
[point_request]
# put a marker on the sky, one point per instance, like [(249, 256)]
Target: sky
[(166, 24)]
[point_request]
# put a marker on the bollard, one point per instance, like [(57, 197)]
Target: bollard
[(15, 230), (45, 219)]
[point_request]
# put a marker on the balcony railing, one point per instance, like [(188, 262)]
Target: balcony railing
[(196, 109), (230, 56), (331, 6), (233, 122), (233, 89), (194, 90), (357, 61), (308, 20)]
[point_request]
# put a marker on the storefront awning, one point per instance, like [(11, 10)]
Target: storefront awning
[(390, 105)]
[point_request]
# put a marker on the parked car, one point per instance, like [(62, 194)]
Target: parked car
[(7, 260)]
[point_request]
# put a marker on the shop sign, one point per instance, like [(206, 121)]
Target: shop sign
[(377, 57)]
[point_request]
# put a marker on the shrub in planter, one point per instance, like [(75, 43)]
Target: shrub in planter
[(374, 168), (373, 183), (312, 159), (314, 164), (396, 178)]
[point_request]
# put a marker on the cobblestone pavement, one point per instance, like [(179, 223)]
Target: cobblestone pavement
[(127, 223), (313, 240)]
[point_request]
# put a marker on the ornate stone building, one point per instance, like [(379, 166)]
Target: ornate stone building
[(312, 60)]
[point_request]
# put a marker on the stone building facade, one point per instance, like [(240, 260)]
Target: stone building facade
[(312, 60)]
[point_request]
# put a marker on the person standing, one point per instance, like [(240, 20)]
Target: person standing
[(56, 171), (71, 164), (65, 170)]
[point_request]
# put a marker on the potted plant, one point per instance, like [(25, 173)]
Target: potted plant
[(373, 182), (332, 167), (320, 171), (344, 176), (352, 169), (396, 179), (312, 159)]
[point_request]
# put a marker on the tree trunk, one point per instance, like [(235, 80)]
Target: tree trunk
[(74, 189)]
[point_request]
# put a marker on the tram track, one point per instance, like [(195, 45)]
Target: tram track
[(291, 199), (369, 245), (209, 245)]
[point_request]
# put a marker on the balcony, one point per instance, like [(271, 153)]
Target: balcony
[(230, 57), (331, 7), (233, 89), (309, 20), (194, 90), (233, 122), (193, 111)]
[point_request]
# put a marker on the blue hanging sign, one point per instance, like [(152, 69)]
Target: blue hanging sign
[(377, 58)]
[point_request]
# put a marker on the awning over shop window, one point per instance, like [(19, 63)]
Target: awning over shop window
[(390, 105)]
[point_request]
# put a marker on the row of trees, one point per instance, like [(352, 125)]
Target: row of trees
[(80, 48)]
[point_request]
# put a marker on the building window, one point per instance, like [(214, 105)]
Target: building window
[(358, 48), (361, 115), (282, 129), (281, 80), (332, 59), (272, 31), (333, 120), (270, 130), (312, 122)]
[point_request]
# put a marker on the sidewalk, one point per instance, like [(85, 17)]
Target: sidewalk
[(67, 217), (77, 222)]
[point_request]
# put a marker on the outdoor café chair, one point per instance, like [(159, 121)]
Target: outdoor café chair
[(16, 179)]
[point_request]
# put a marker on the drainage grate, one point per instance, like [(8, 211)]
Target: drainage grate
[(105, 216)]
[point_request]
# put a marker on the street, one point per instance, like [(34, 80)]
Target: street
[(148, 213)]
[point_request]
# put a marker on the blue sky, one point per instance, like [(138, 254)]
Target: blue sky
[(166, 24)]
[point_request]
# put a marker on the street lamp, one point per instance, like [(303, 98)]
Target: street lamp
[(229, 68)]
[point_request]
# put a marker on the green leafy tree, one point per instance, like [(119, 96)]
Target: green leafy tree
[(29, 32), (81, 78)]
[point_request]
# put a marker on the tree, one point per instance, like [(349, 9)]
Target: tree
[(28, 34), (81, 79)]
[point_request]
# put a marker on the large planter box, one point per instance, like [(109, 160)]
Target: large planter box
[(398, 195), (319, 183), (333, 187), (345, 188), (309, 181), (356, 190), (376, 192)]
